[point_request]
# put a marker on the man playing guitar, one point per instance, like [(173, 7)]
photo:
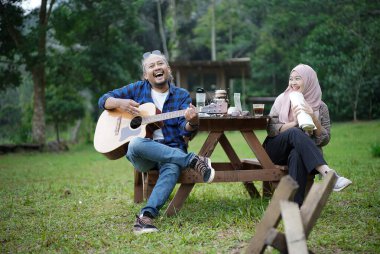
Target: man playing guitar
[(167, 150)]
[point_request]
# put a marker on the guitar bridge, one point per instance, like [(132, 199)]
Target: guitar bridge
[(118, 123)]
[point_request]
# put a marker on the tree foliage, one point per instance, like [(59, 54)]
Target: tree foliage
[(25, 44), (63, 106), (97, 45), (102, 36)]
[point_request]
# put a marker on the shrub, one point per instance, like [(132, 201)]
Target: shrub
[(376, 150)]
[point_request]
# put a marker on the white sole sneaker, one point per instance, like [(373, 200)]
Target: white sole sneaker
[(145, 231), (212, 174), (341, 183)]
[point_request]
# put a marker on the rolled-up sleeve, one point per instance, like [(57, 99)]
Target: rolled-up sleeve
[(126, 92), (274, 125)]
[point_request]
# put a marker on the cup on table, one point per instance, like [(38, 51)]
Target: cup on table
[(258, 110)]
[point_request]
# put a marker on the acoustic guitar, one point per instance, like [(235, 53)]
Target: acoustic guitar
[(116, 128)]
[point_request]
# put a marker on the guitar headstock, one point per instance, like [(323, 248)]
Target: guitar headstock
[(215, 108)]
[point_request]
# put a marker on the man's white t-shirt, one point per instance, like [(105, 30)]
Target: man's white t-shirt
[(159, 100)]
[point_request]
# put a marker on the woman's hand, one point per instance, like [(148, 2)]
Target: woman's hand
[(308, 110), (303, 107)]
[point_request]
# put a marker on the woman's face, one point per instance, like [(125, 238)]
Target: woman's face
[(296, 82)]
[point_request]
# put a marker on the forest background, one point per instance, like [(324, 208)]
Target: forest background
[(57, 59)]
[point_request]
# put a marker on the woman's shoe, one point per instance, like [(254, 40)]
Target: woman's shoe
[(341, 183)]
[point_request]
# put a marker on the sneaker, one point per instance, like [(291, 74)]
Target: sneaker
[(341, 183), (203, 166), (143, 224)]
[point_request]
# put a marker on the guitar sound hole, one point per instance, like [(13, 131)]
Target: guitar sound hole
[(136, 122)]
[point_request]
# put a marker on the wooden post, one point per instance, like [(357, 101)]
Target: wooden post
[(310, 211), (284, 191), (295, 235), (138, 191)]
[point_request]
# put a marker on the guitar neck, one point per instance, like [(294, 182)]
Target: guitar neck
[(219, 108), (163, 116)]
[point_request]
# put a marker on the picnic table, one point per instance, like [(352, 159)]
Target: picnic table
[(237, 170)]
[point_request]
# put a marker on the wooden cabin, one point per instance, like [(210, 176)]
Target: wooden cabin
[(210, 75)]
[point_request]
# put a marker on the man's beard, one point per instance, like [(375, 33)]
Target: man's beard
[(161, 84)]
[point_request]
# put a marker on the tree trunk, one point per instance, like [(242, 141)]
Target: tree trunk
[(39, 80), (57, 132), (213, 44), (174, 52), (75, 131), (162, 30), (356, 99), (230, 41), (38, 121), (370, 104)]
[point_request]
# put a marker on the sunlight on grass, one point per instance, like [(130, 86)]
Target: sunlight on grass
[(79, 201)]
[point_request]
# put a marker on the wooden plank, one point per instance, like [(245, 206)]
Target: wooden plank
[(276, 240), (227, 176), (271, 217), (230, 152), (210, 143), (145, 179), (310, 210), (237, 165), (184, 190), (251, 166), (148, 185), (295, 235), (268, 189), (315, 201), (261, 155), (231, 123), (251, 189), (249, 175), (257, 149), (255, 162), (179, 199), (138, 188)]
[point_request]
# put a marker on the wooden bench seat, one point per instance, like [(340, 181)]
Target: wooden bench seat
[(251, 170)]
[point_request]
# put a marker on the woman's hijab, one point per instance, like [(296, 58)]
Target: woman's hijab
[(312, 94)]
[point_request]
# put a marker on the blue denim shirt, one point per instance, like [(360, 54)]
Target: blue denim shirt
[(177, 99)]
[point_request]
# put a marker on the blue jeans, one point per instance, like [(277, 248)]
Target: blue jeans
[(145, 154)]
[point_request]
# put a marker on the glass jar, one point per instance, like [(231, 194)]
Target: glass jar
[(220, 96)]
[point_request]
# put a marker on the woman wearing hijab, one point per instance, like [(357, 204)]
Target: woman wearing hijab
[(288, 144)]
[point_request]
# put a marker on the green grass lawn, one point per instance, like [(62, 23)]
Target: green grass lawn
[(79, 201)]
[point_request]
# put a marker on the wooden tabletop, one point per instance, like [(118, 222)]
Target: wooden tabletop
[(232, 123)]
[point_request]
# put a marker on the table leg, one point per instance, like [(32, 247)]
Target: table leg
[(179, 199), (257, 149), (209, 145), (261, 155), (184, 190), (237, 165), (138, 188), (231, 154)]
